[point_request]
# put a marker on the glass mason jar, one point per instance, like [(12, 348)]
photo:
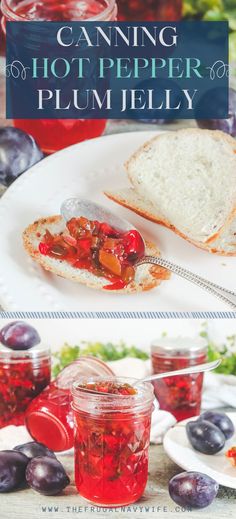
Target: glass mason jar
[(23, 375), (49, 418), (150, 10), (112, 435), (55, 134), (180, 395)]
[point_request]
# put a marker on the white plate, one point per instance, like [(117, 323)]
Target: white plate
[(87, 169), (217, 466)]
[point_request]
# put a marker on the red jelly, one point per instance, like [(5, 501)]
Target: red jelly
[(112, 434), (150, 10), (231, 454), (51, 410), (56, 134), (180, 395), (98, 248), (23, 375), (109, 387)]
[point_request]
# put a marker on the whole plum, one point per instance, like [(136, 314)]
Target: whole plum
[(227, 125), (221, 420), (18, 152), (46, 475), (12, 470), (193, 489), (205, 437), (19, 335), (34, 449)]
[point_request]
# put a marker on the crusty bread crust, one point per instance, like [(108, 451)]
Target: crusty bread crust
[(146, 278), (161, 221), (217, 135)]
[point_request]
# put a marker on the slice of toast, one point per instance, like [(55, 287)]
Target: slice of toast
[(224, 244), (189, 177), (146, 276)]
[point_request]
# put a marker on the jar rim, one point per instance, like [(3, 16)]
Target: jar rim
[(95, 403), (13, 356), (9, 12), (185, 346)]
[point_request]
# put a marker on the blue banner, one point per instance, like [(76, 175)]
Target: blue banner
[(111, 70)]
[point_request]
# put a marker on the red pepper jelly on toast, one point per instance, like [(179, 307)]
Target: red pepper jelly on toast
[(97, 247)]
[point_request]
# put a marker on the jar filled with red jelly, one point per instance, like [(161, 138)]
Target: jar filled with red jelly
[(180, 395), (150, 10), (23, 375), (49, 418), (55, 134), (112, 435)]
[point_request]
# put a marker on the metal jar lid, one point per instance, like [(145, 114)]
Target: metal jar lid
[(37, 353), (179, 346)]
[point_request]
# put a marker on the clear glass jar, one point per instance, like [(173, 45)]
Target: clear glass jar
[(112, 435), (55, 134), (49, 418), (150, 10), (23, 375), (181, 395)]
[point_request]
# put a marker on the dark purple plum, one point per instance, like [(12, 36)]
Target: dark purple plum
[(205, 437), (18, 152), (221, 420), (225, 125), (34, 449), (46, 475), (19, 335), (12, 470), (193, 489)]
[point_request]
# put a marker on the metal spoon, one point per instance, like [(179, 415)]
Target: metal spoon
[(75, 207), (199, 368)]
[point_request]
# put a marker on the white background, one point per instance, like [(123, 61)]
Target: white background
[(140, 332)]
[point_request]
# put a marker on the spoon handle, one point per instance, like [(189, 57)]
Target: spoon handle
[(199, 368), (226, 295)]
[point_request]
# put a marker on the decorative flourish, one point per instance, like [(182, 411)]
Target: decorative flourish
[(219, 69), (16, 69)]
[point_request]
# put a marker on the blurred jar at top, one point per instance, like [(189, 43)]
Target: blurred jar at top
[(150, 10), (180, 395)]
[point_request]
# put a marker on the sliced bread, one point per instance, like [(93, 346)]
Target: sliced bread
[(146, 277), (224, 245), (189, 177)]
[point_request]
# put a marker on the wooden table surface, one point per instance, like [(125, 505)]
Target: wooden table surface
[(27, 504)]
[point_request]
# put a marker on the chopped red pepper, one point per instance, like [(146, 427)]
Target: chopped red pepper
[(98, 248), (231, 454), (20, 382), (109, 387), (44, 248)]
